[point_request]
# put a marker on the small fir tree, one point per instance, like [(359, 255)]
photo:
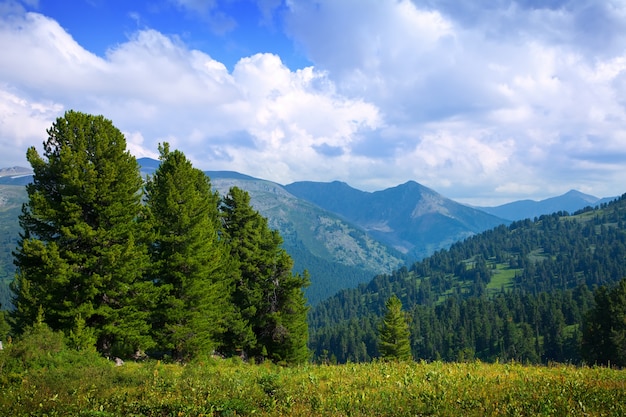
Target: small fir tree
[(394, 332)]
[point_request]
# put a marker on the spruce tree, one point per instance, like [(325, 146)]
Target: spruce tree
[(190, 261), (394, 332), (82, 252), (604, 332), (269, 299)]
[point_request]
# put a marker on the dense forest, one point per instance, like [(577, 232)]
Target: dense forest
[(164, 266), (519, 292)]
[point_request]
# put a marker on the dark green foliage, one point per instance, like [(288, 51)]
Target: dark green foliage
[(268, 297), (394, 332), (82, 250), (330, 276), (513, 293), (109, 271), (190, 263), (604, 334), (5, 327), (39, 348)]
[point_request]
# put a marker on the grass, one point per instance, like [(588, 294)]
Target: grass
[(502, 277), (217, 387)]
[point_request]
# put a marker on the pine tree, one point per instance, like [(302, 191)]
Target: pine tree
[(604, 333), (394, 332), (190, 261), (82, 251), (269, 299)]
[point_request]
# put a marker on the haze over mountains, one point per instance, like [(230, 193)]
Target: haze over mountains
[(341, 235)]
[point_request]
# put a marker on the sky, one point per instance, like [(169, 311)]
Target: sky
[(484, 102)]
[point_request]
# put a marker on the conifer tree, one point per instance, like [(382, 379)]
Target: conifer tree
[(82, 251), (190, 261), (604, 333), (269, 299), (394, 332)]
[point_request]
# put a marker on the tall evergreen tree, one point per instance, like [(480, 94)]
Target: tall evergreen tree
[(394, 332), (268, 297), (604, 333), (82, 251), (190, 261)]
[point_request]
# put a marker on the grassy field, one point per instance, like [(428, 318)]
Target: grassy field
[(218, 387)]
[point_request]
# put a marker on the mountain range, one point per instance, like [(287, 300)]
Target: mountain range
[(527, 209), (341, 235)]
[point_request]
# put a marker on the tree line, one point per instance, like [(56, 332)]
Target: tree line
[(535, 291), (164, 266)]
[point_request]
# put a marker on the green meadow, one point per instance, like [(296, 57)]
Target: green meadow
[(83, 384)]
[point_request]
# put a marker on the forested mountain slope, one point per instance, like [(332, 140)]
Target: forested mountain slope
[(515, 292), (410, 217), (343, 236), (11, 199), (337, 254)]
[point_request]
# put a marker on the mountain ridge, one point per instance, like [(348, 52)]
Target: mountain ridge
[(570, 201), (410, 217), (342, 235)]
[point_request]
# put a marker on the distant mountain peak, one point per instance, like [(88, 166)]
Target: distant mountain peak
[(581, 195), (571, 201), (15, 171)]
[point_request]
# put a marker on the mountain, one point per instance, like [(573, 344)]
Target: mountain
[(341, 235), (518, 292), (412, 218), (528, 209), (336, 253), (15, 171), (15, 175), (11, 199)]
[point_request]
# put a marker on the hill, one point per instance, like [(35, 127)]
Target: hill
[(528, 209), (410, 217), (514, 292)]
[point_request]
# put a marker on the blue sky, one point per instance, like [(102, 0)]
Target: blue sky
[(485, 102)]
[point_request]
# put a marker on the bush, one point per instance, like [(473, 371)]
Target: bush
[(40, 348)]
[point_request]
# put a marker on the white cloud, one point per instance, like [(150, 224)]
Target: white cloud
[(23, 123), (476, 96), (262, 118), (474, 100)]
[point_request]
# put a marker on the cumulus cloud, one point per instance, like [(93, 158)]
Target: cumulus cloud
[(23, 123), (262, 118), (511, 95), (505, 100)]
